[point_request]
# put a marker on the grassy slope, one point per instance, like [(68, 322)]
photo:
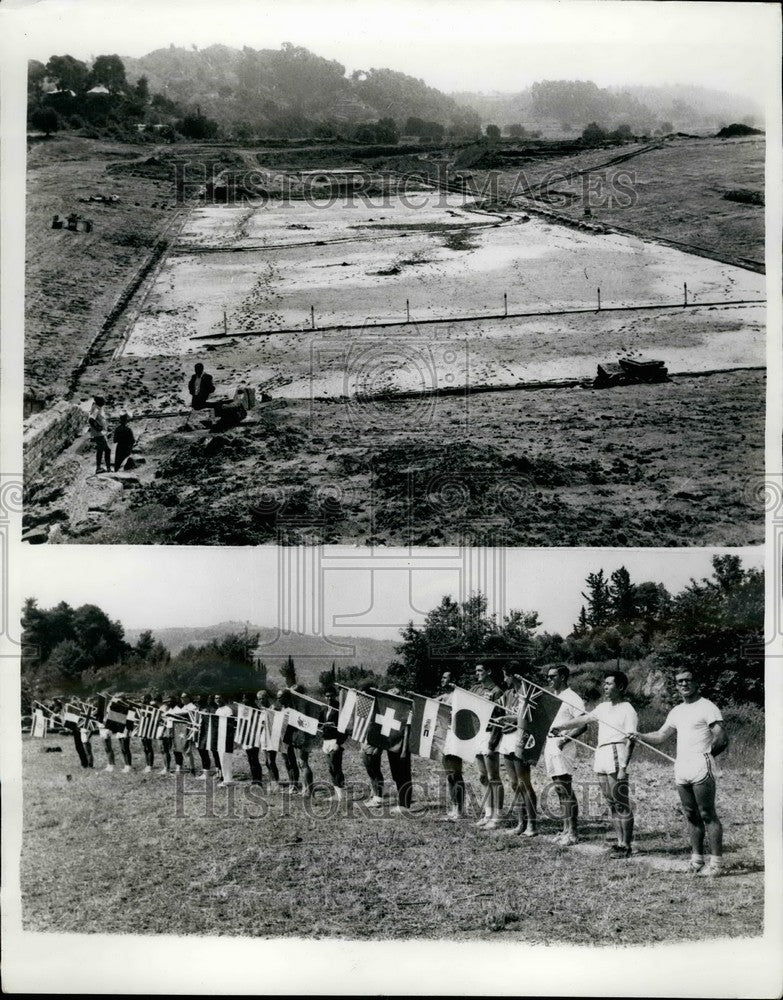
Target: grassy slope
[(98, 861), (678, 193), (73, 279), (651, 465)]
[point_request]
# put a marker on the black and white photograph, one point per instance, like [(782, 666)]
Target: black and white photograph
[(273, 294), (391, 498)]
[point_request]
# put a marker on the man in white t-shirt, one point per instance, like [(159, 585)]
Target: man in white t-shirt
[(700, 737), (560, 751), (617, 720)]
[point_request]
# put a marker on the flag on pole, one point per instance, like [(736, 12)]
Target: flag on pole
[(273, 729), (205, 726), (223, 733), (78, 716), (536, 712), (250, 726), (40, 724), (388, 721), (429, 725), (347, 697), (303, 713), (116, 716), (150, 725), (470, 715), (354, 717)]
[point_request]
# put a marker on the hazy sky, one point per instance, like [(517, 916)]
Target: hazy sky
[(490, 45), (146, 587)]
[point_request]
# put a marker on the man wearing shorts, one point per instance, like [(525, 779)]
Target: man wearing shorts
[(560, 751), (617, 720), (700, 737), (487, 757)]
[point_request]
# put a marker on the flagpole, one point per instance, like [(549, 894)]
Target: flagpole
[(616, 729)]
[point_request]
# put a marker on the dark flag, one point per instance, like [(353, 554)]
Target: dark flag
[(537, 709), (388, 721)]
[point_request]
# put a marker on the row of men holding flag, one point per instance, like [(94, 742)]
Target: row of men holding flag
[(515, 725)]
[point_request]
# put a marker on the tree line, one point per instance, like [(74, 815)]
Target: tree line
[(715, 626), (223, 93)]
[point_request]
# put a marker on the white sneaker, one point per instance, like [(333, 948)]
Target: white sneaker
[(225, 784), (530, 831), (126, 769), (163, 770), (493, 823), (203, 776), (376, 800), (482, 821), (148, 769), (109, 767)]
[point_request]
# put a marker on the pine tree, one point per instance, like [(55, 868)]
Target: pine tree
[(623, 601), (598, 600)]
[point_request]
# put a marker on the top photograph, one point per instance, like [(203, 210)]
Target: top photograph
[(327, 290)]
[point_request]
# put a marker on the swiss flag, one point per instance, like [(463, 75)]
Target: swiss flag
[(388, 728)]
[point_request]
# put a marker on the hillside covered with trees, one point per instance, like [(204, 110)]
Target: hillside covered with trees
[(220, 92), (225, 93), (715, 626)]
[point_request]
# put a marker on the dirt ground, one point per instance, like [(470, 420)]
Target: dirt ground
[(658, 465), (333, 455), (74, 279), (263, 864), (357, 264)]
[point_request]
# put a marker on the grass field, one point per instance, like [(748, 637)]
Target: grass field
[(677, 193), (117, 853)]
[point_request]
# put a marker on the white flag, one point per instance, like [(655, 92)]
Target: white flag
[(273, 729), (40, 724), (470, 715), (301, 721), (345, 714)]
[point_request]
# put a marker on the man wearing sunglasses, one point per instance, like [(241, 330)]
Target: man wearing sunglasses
[(700, 737)]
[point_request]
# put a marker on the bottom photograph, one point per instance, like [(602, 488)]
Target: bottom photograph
[(533, 746)]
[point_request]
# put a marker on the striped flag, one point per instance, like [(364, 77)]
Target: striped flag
[(40, 724), (250, 726), (362, 716), (347, 698), (354, 715), (429, 725), (205, 727), (224, 729), (150, 725), (273, 729), (116, 716)]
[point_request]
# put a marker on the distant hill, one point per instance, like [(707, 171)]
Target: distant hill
[(312, 655), (562, 107), (288, 88)]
